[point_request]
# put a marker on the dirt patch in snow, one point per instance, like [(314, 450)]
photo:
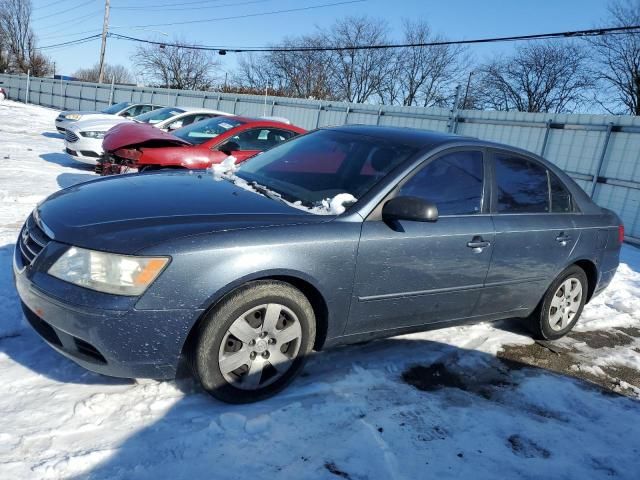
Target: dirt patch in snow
[(336, 471), (526, 448), (569, 359), (607, 338)]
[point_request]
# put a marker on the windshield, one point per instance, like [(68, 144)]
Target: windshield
[(159, 115), (200, 132), (323, 164), (115, 108)]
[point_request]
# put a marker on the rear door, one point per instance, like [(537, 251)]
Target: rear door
[(532, 214), (416, 273)]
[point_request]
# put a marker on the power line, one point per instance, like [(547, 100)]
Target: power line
[(80, 5), (170, 6), (72, 42), (248, 15), (51, 4), (541, 36), (71, 20)]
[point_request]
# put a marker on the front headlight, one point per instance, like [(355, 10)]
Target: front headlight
[(73, 116), (108, 272), (93, 134)]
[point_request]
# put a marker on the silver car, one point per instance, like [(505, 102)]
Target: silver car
[(83, 140), (122, 109)]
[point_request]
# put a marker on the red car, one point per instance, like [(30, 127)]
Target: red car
[(196, 146)]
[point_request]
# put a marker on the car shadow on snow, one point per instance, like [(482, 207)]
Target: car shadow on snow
[(69, 179), (395, 408), (53, 135)]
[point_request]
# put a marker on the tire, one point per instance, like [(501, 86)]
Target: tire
[(234, 339), (561, 306)]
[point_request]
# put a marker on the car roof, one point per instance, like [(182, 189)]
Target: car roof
[(265, 122), (201, 110), (408, 136)]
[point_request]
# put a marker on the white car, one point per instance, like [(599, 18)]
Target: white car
[(83, 140), (122, 109)]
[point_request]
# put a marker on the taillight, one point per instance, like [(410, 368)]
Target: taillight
[(620, 234)]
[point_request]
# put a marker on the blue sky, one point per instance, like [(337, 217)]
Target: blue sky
[(64, 20)]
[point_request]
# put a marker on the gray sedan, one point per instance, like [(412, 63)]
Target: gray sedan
[(338, 236)]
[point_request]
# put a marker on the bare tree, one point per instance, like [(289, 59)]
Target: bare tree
[(18, 39), (541, 77), (256, 72), (119, 73), (305, 74), (618, 59), (176, 66), (358, 75), (423, 76)]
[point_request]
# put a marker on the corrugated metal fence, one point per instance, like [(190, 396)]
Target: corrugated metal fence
[(601, 152)]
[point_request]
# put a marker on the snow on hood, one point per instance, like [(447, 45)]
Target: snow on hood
[(329, 206)]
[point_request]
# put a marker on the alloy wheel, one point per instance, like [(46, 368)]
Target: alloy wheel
[(260, 346)]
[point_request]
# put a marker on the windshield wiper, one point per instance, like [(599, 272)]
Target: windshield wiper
[(265, 191)]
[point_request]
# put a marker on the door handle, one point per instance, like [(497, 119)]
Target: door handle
[(477, 243), (562, 239)]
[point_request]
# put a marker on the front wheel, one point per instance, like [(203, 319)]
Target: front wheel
[(561, 306), (254, 343)]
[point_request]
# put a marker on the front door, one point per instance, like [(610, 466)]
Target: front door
[(415, 273)]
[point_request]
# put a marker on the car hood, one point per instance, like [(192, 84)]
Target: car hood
[(99, 124), (138, 135), (86, 115), (127, 213)]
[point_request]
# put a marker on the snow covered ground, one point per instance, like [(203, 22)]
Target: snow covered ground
[(455, 403)]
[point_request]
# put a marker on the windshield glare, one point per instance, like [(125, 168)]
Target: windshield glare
[(323, 164), (115, 108), (159, 115), (204, 130)]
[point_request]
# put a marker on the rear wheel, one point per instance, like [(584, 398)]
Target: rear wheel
[(254, 343), (561, 306)]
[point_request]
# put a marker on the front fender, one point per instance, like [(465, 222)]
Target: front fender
[(207, 267)]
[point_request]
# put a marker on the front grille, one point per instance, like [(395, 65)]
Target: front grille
[(70, 136), (32, 240), (88, 153)]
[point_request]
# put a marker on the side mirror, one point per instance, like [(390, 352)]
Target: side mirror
[(414, 209), (175, 125), (229, 147), (126, 114)]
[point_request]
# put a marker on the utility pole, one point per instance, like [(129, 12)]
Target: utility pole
[(103, 47)]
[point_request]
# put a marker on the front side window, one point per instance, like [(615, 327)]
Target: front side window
[(453, 182), (522, 185), (261, 139)]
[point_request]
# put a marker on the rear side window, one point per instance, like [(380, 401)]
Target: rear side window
[(560, 196), (452, 182), (522, 185)]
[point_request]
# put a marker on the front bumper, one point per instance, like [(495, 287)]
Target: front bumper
[(103, 333), (85, 150)]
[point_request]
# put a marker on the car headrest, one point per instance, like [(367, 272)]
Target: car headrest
[(381, 159)]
